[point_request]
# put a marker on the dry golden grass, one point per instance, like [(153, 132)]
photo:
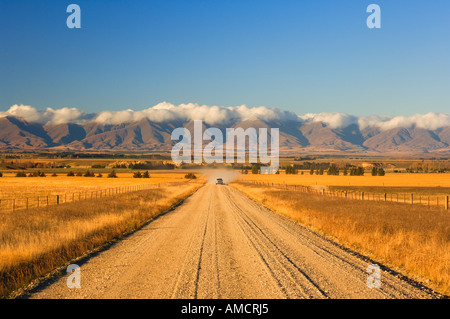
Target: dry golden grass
[(35, 241), (411, 239), (20, 187), (390, 179)]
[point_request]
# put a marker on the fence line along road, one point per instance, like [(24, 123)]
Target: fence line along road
[(406, 198), (13, 204)]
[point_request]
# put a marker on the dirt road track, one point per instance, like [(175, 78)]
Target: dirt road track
[(221, 244)]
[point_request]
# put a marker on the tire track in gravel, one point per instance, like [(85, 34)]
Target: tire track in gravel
[(277, 261)]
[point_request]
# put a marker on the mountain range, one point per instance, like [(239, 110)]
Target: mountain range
[(147, 136)]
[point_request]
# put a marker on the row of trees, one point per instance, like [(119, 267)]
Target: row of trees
[(88, 173), (21, 164), (32, 174), (42, 174), (333, 170), (145, 165), (312, 166), (429, 167), (320, 170)]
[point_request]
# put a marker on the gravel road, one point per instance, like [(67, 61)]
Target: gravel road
[(221, 244)]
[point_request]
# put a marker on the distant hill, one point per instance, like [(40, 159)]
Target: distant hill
[(145, 135)]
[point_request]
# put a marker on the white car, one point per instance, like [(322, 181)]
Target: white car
[(219, 181)]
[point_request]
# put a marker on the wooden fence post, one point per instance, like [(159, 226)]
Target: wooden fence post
[(385, 197), (412, 199), (57, 199), (362, 195), (446, 202)]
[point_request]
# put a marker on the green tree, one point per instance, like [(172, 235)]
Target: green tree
[(290, 169), (89, 174), (112, 174), (374, 171), (381, 172), (360, 171), (146, 175), (255, 169), (333, 170)]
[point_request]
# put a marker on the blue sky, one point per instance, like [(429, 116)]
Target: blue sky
[(304, 56)]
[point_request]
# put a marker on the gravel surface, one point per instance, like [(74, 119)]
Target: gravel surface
[(221, 244)]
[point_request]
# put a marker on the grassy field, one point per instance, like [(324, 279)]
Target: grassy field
[(35, 241), (411, 239), (389, 180), (18, 187), (425, 191)]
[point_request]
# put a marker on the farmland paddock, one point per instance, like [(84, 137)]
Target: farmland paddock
[(440, 201)]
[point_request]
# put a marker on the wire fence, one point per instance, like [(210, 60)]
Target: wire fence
[(20, 203), (406, 198)]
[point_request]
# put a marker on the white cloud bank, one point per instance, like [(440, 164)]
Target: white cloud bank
[(164, 112), (214, 115), (49, 116)]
